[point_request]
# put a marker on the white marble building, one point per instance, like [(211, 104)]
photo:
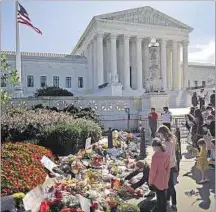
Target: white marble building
[(114, 49)]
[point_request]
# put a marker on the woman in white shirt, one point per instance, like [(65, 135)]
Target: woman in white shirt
[(170, 142)]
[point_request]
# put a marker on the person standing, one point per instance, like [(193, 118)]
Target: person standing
[(169, 140), (167, 117), (202, 97), (194, 99), (198, 134), (159, 174), (202, 160), (212, 98), (153, 117)]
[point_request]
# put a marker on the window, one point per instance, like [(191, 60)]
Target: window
[(68, 82), (3, 81), (55, 81), (203, 84), (80, 82), (195, 84), (30, 81), (43, 81)]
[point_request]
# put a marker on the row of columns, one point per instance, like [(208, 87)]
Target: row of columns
[(171, 77)]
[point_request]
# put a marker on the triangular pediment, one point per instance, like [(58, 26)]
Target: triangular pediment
[(145, 15)]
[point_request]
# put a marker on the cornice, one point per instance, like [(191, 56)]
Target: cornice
[(46, 57), (172, 30)]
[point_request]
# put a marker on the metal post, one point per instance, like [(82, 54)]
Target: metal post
[(110, 139), (142, 144)]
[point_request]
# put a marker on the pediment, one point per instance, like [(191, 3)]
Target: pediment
[(145, 15)]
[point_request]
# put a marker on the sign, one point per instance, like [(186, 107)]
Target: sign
[(85, 203), (88, 143), (48, 164), (7, 204), (33, 199)]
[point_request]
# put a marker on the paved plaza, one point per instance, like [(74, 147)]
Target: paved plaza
[(204, 199)]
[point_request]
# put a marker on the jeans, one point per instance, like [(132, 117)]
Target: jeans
[(170, 192), (167, 125), (161, 201)]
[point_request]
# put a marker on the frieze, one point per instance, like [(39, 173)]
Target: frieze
[(146, 17)]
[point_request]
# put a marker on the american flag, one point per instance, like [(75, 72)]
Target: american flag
[(23, 18)]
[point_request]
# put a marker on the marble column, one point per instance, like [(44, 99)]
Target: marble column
[(139, 63), (108, 60), (174, 66), (113, 58), (185, 64), (126, 63), (100, 71), (163, 63), (179, 85), (120, 60), (95, 63), (169, 67), (90, 74), (146, 70)]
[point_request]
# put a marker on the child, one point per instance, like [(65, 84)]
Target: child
[(159, 174), (202, 159)]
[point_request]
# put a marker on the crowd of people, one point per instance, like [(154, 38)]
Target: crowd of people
[(161, 175)]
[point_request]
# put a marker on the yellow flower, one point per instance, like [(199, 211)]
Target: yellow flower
[(18, 195)]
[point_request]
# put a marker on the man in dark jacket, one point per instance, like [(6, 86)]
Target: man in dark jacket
[(212, 99), (194, 99)]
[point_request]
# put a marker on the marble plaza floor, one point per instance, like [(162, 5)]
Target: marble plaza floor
[(204, 200)]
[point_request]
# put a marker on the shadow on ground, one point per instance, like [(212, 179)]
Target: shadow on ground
[(206, 188), (188, 155)]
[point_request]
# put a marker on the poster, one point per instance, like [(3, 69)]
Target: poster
[(48, 164), (88, 143), (33, 199), (85, 203)]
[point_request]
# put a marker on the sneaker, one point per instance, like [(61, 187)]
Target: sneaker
[(173, 208)]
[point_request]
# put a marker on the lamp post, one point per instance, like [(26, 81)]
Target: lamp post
[(127, 111)]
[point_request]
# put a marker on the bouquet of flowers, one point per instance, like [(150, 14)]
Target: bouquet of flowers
[(92, 176), (96, 161)]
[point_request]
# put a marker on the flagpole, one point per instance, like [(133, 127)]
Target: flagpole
[(18, 88)]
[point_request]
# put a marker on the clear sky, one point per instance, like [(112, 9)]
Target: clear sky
[(63, 22)]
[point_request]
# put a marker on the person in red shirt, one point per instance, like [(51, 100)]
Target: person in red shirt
[(153, 117)]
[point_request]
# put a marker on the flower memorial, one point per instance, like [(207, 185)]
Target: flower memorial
[(90, 178), (21, 167), (98, 172)]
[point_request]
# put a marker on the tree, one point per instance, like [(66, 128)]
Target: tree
[(7, 79)]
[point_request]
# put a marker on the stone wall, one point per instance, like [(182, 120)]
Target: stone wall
[(111, 110)]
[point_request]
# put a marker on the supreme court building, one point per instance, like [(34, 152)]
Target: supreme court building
[(111, 58)]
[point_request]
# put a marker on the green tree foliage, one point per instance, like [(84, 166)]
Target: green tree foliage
[(7, 78)]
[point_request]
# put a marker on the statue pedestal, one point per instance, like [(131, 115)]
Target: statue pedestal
[(155, 100), (114, 89)]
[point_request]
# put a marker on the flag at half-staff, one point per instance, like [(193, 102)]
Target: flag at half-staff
[(23, 18)]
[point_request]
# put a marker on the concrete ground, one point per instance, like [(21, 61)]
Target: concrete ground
[(204, 200)]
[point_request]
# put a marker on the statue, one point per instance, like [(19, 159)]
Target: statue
[(153, 82)]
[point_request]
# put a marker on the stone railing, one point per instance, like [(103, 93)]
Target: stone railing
[(111, 110)]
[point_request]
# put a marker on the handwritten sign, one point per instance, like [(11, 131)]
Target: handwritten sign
[(88, 143), (33, 199), (48, 164), (85, 203)]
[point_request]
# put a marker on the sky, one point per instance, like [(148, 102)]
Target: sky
[(63, 22)]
